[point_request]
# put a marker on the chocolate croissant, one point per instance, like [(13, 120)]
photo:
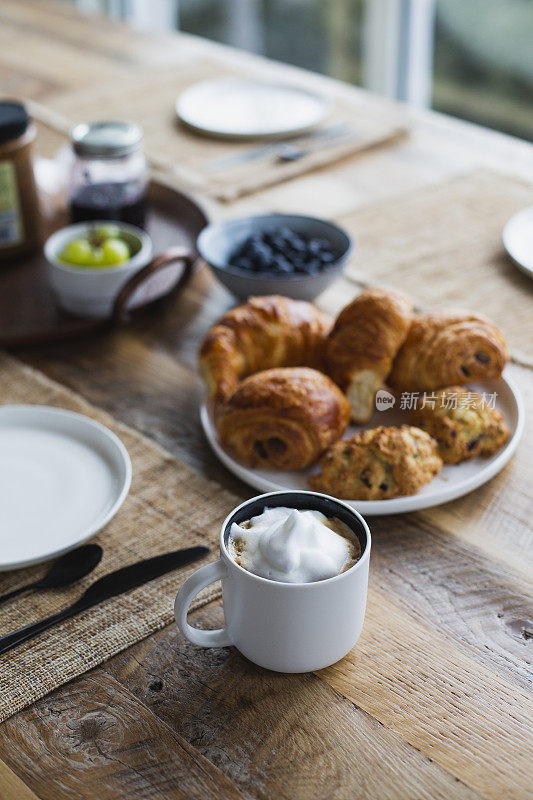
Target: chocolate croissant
[(361, 347), (265, 332), (448, 348), (283, 418)]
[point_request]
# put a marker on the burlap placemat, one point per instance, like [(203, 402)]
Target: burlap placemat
[(148, 99), (443, 246), (168, 507)]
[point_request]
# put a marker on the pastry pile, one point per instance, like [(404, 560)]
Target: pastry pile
[(284, 380)]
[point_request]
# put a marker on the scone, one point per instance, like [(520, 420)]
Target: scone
[(265, 332), (282, 418), (378, 464), (461, 423), (365, 338), (446, 348)]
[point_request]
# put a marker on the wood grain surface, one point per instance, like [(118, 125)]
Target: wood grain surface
[(13, 786), (435, 700)]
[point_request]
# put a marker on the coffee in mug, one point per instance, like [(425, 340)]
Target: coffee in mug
[(294, 572), (293, 546)]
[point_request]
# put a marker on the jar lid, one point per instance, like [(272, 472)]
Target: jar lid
[(106, 139), (14, 120)]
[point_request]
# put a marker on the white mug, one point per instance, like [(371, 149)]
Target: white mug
[(286, 627)]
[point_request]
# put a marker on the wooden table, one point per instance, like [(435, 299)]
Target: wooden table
[(442, 712)]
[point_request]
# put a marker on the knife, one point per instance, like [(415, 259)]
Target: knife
[(257, 153), (111, 585)]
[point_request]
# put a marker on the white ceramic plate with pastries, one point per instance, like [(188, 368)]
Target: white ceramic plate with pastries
[(413, 412)]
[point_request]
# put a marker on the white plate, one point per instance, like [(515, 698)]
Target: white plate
[(63, 476), (239, 108), (518, 240), (453, 481)]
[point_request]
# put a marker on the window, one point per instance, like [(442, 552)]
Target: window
[(469, 58)]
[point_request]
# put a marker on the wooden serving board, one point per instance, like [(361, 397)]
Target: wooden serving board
[(29, 314)]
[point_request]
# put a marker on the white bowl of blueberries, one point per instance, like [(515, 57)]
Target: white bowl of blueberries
[(287, 254)]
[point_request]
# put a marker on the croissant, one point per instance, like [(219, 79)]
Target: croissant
[(283, 418), (447, 348), (265, 332), (361, 347)]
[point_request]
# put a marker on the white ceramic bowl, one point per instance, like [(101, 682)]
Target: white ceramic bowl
[(87, 291)]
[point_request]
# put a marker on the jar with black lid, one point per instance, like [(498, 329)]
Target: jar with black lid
[(19, 205), (109, 175)]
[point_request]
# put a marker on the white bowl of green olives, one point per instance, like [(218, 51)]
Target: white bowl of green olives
[(90, 262)]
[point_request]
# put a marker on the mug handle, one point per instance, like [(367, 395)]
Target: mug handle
[(198, 581), (172, 254)]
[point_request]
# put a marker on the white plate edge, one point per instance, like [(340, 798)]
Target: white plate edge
[(505, 239), (103, 521), (325, 102)]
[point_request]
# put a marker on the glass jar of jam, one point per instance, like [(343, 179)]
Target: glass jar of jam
[(109, 176), (19, 205)]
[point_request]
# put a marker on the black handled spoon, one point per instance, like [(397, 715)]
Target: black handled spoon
[(110, 585), (69, 568)]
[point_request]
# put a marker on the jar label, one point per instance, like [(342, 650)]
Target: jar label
[(11, 231)]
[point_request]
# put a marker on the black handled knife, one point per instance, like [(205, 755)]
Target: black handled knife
[(122, 580)]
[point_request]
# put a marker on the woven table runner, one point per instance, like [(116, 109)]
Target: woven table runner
[(168, 507), (443, 246), (148, 98)]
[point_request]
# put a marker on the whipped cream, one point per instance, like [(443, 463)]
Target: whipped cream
[(291, 546)]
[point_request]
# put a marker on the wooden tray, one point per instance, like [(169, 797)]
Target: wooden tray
[(29, 314)]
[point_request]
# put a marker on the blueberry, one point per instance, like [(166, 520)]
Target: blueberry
[(270, 237), (315, 247), (243, 263), (327, 257), (286, 233), (261, 255), (298, 245), (279, 244), (282, 264)]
